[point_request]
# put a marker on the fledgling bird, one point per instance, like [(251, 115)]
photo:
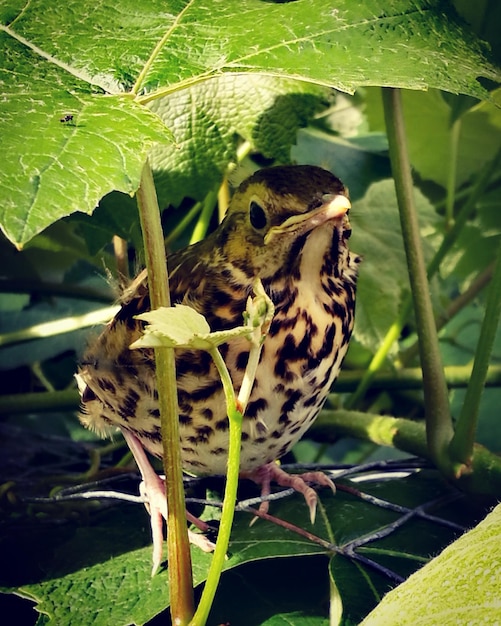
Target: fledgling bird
[(289, 227)]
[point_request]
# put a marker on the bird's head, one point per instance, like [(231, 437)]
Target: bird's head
[(284, 218)]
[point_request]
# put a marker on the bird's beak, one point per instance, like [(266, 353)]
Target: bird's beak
[(333, 207)]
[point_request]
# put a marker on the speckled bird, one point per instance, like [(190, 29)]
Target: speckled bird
[(289, 227)]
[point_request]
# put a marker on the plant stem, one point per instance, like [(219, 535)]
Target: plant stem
[(180, 573), (451, 181), (461, 447), (203, 222), (58, 327), (230, 494), (410, 437), (235, 408), (438, 417)]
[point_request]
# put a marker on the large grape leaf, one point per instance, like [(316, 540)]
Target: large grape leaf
[(72, 573), (95, 65)]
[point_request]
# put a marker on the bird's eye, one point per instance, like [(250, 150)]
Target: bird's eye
[(257, 215)]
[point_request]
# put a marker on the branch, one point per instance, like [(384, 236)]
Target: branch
[(461, 447), (180, 573), (436, 398)]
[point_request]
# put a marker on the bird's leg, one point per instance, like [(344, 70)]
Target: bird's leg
[(271, 471), (153, 489)]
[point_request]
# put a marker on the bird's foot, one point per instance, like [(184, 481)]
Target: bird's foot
[(299, 482), (152, 488)]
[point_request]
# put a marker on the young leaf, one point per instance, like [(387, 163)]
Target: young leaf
[(182, 327)]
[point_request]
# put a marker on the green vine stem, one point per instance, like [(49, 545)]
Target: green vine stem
[(59, 326), (408, 436), (438, 417), (452, 178), (178, 550), (230, 494), (258, 316), (461, 447)]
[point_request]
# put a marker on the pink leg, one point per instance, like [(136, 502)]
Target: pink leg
[(152, 488), (271, 471)]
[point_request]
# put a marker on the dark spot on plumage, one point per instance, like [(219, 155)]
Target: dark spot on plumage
[(291, 402), (332, 288), (292, 266), (183, 396), (193, 362), (295, 429), (88, 395), (237, 307), (284, 419), (260, 439), (155, 436), (144, 386), (280, 324), (208, 414), (122, 412), (197, 463), (205, 392), (185, 419), (154, 412), (283, 449), (106, 385), (254, 407), (290, 351), (204, 433), (312, 400), (128, 406), (261, 428), (108, 405), (245, 436), (223, 425), (223, 349), (327, 344), (222, 298), (242, 360), (276, 434), (218, 451), (279, 388), (188, 450)]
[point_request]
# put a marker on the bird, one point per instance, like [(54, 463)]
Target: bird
[(288, 226)]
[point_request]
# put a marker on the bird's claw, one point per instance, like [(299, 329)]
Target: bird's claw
[(299, 482)]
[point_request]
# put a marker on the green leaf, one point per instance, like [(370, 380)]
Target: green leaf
[(182, 327), (459, 586), (208, 119), (383, 279), (75, 64), (60, 167), (73, 576), (428, 118)]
